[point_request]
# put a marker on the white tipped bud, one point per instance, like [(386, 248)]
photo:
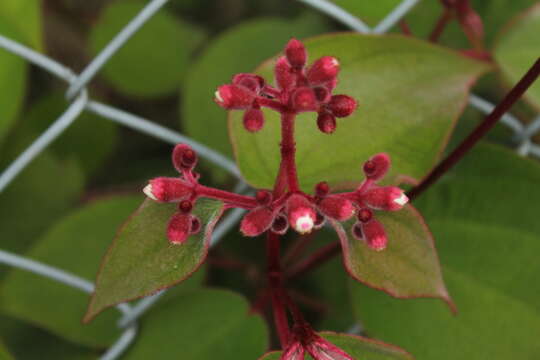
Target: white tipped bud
[(304, 224), (402, 200), (148, 192)]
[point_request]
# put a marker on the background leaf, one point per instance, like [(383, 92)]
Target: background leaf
[(409, 92), (488, 245), (141, 260), (201, 325), (518, 49), (359, 348), (370, 11), (4, 355), (140, 67)]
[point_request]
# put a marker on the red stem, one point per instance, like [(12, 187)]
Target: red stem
[(317, 258), (444, 19), (275, 282), (479, 132), (405, 29), (288, 150), (242, 201)]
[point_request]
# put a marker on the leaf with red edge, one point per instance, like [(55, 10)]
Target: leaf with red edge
[(408, 267), (141, 260), (358, 347)]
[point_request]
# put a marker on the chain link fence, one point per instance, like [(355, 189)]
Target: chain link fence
[(80, 101)]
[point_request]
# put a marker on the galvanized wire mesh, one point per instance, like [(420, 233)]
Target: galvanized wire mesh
[(80, 102)]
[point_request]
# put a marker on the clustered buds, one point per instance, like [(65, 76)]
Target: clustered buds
[(179, 190), (298, 89)]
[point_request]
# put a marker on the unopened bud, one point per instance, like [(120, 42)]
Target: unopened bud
[(342, 105), (185, 206), (322, 189), (388, 198), (167, 189), (301, 214), (285, 78), (234, 97), (364, 215), (336, 207), (375, 235), (253, 120), (326, 123), (179, 228), (263, 197), (296, 53), (257, 221), (323, 70), (377, 167), (303, 99), (322, 94), (184, 157), (251, 81)]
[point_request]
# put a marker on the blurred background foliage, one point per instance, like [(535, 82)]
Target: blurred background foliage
[(64, 209)]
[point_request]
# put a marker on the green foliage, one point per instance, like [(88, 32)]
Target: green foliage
[(4, 354), (409, 93), (484, 219), (24, 17), (154, 61), (517, 50), (369, 11), (200, 324), (141, 261)]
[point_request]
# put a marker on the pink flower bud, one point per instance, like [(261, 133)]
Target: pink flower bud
[(296, 53), (375, 235), (322, 189), (321, 349), (341, 105), (285, 78), (257, 221), (388, 198), (251, 81), (253, 120), (322, 94), (167, 189), (264, 197), (295, 351), (376, 167), (337, 208), (280, 224), (303, 99), (234, 97), (323, 70), (364, 215), (179, 228), (185, 206), (326, 123), (184, 157), (301, 214)]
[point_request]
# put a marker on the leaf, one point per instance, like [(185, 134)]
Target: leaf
[(360, 348), (25, 18), (517, 50), (369, 11), (410, 94), (408, 267), (154, 61), (237, 50), (75, 244), (201, 325), (141, 261), (485, 220), (4, 354)]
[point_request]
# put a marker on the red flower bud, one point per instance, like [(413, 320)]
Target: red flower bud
[(375, 235), (296, 53), (257, 221), (326, 123), (322, 94), (364, 215), (323, 70), (285, 78), (253, 120), (337, 208), (184, 157), (341, 105), (251, 81), (264, 197), (376, 167), (280, 224), (234, 97), (301, 214), (185, 206), (388, 198), (167, 189), (179, 228), (322, 189), (303, 99)]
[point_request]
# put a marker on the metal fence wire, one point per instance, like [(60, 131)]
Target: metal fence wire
[(80, 102)]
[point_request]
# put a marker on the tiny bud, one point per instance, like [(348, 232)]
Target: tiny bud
[(253, 120), (185, 206), (280, 224), (364, 215), (234, 97), (195, 225), (388, 198), (326, 123), (337, 208), (257, 221), (167, 189), (319, 221), (264, 197), (296, 53), (301, 214), (303, 99), (323, 70), (179, 228), (322, 94), (322, 189), (375, 235), (342, 105), (184, 157), (285, 78), (376, 167), (253, 82)]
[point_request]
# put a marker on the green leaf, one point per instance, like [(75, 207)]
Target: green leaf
[(41, 193), (358, 347), (408, 267), (4, 354), (409, 92), (75, 244), (372, 12), (154, 61), (517, 50), (239, 49), (25, 18), (201, 325), (141, 261), (485, 219)]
